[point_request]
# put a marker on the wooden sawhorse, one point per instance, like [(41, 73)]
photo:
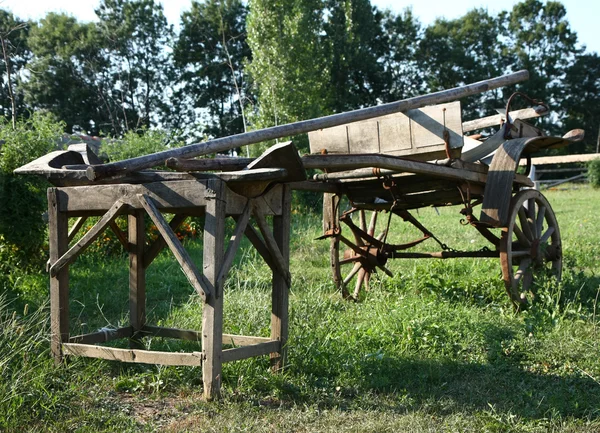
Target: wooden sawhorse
[(208, 196)]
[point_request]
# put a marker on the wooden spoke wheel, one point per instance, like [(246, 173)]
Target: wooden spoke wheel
[(356, 252), (530, 247)]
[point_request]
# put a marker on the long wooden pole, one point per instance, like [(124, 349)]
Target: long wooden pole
[(97, 172)]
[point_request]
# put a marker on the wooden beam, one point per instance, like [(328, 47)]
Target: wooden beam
[(253, 236), (76, 227), (87, 239), (234, 244), (58, 228), (281, 285), (226, 143), (245, 352), (193, 359), (196, 279), (271, 244), (212, 311), (157, 246), (180, 334), (121, 237), (137, 276), (486, 122), (562, 159), (102, 336)]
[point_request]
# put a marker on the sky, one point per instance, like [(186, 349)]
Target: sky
[(582, 15)]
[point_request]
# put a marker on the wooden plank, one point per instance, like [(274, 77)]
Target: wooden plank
[(157, 246), (414, 132), (250, 351), (137, 276), (562, 159), (293, 129), (87, 239), (212, 312), (281, 283), (243, 340), (119, 234), (193, 359), (196, 279), (350, 162), (234, 244), (272, 245), (165, 195), (180, 334), (281, 155), (58, 227), (253, 236), (486, 122), (102, 336), (76, 227), (208, 164)]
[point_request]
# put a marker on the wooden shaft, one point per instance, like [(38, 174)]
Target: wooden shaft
[(97, 172)]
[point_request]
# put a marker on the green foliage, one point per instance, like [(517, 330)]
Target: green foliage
[(139, 143), (594, 173), (23, 198), (210, 53)]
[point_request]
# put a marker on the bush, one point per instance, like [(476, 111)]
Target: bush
[(23, 198), (594, 172)]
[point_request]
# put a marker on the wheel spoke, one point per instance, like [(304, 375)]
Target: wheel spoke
[(521, 236), (359, 282), (352, 273), (366, 281), (386, 270), (547, 235), (521, 254), (531, 209), (539, 223), (362, 220), (525, 224), (523, 268), (372, 224)]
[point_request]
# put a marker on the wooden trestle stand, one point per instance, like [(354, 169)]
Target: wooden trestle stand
[(210, 197)]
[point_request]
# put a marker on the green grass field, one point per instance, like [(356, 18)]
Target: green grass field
[(436, 348)]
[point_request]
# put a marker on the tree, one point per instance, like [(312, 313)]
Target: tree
[(210, 53), (540, 40), (136, 37), (14, 55), (582, 100), (288, 68), (461, 51), (355, 44), (64, 75)]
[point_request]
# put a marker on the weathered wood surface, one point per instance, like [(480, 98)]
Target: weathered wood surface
[(227, 143), (193, 359), (212, 311), (87, 238), (208, 164), (137, 276), (562, 159), (187, 197), (281, 155), (102, 336), (76, 227), (414, 132), (196, 279), (121, 237), (58, 227), (157, 246), (234, 244), (245, 352), (281, 283), (486, 122), (348, 162)]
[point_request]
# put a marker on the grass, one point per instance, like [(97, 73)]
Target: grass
[(436, 348)]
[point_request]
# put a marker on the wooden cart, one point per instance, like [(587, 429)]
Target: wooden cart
[(400, 162), (391, 158)]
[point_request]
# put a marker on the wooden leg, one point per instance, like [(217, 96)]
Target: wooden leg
[(59, 284), (212, 313), (137, 277), (280, 290)]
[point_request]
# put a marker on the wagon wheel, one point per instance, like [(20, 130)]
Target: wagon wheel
[(530, 247), (355, 257)]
